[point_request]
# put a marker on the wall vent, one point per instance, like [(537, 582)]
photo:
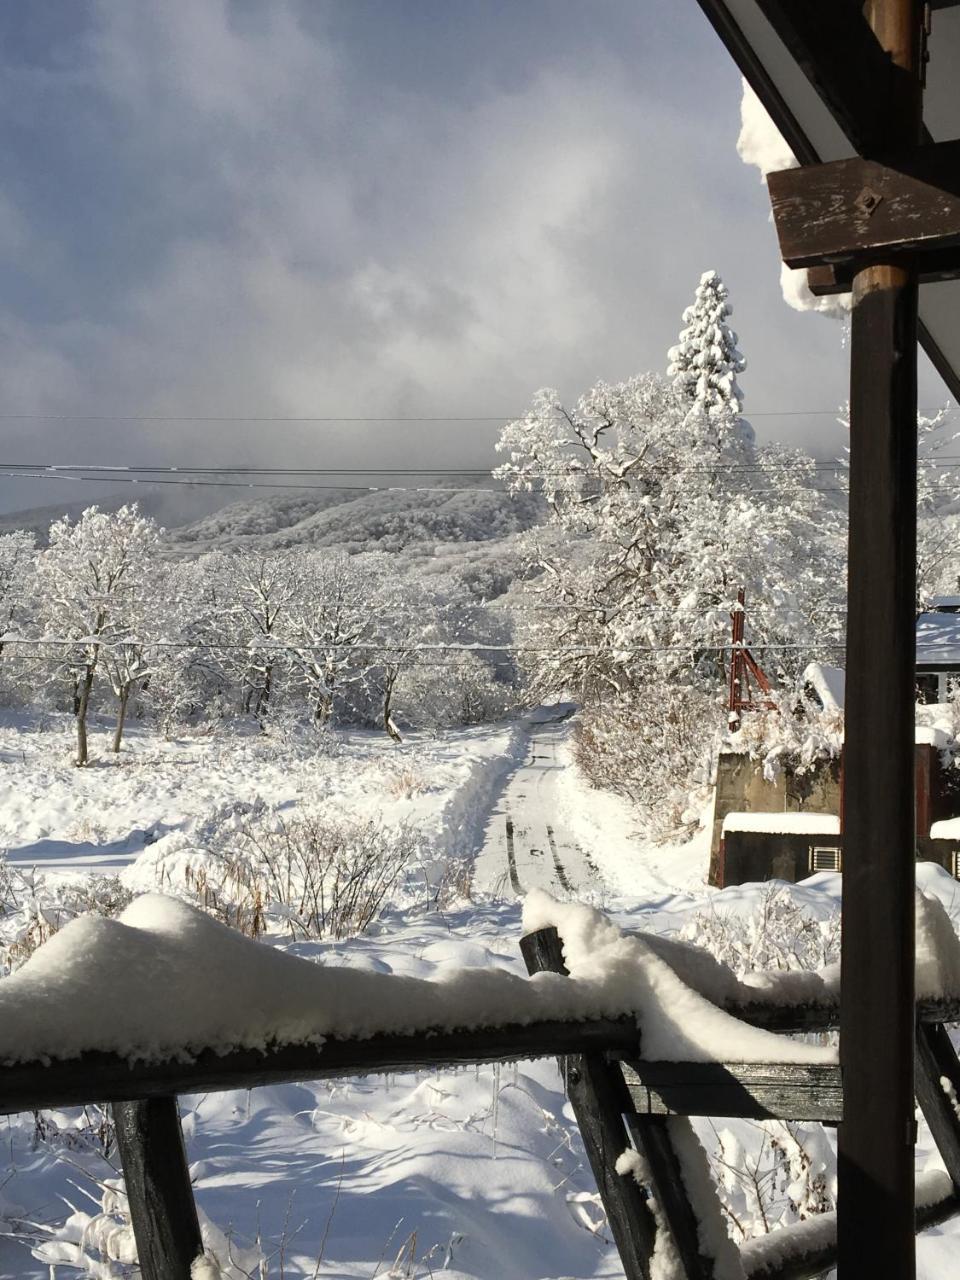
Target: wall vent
[(826, 857)]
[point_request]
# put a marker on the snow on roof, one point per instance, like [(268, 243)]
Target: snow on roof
[(932, 735), (829, 684), (946, 829), (784, 823), (938, 640), (945, 602), (166, 981)]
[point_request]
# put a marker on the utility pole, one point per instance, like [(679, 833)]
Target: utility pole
[(877, 1136)]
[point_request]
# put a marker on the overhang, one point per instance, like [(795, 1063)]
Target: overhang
[(813, 97)]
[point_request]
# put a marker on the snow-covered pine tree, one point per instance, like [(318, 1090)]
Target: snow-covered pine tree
[(704, 365)]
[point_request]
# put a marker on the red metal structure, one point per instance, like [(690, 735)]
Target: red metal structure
[(743, 666)]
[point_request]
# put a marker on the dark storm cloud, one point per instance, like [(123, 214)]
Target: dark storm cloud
[(367, 208)]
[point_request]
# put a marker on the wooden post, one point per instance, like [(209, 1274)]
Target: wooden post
[(875, 1234), (600, 1100), (158, 1187)]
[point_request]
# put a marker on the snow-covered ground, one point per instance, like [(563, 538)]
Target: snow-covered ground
[(476, 1172)]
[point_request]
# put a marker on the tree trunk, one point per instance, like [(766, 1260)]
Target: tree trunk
[(83, 704), (388, 725), (263, 696), (121, 717)]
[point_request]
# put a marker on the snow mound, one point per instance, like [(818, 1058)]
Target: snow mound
[(167, 981), (678, 1023)]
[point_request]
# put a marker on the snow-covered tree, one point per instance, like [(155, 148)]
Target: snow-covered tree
[(661, 509), (254, 591), (91, 580), (704, 365), (330, 629), (17, 551)]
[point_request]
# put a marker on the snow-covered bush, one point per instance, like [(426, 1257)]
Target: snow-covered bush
[(772, 1173), (462, 692), (315, 875), (34, 906), (659, 752), (780, 934)]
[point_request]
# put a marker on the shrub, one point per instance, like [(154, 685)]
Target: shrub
[(316, 875)]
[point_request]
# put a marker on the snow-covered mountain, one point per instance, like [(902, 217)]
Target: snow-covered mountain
[(379, 520)]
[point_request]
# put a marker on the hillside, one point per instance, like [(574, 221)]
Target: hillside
[(380, 520)]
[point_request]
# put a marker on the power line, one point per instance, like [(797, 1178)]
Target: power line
[(55, 470), (263, 647), (412, 418)]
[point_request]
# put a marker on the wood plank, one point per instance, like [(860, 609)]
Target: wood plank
[(157, 1182), (875, 1160), (932, 266), (804, 1018), (806, 1263), (784, 1091), (599, 1099), (937, 1063), (95, 1077), (851, 211), (652, 1139), (840, 55)]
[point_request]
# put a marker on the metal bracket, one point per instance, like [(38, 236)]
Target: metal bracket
[(868, 201)]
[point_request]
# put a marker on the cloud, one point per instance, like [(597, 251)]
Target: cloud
[(234, 208)]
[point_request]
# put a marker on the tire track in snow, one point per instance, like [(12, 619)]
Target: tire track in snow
[(512, 858), (523, 847), (557, 864)]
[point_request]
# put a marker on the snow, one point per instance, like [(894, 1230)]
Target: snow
[(481, 1172), (760, 143), (765, 1254), (785, 823), (829, 684), (938, 640), (677, 1023), (945, 829), (130, 986), (714, 1240)]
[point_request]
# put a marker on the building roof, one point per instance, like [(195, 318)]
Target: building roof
[(819, 121), (938, 640)]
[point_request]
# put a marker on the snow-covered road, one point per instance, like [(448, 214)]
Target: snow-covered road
[(526, 843)]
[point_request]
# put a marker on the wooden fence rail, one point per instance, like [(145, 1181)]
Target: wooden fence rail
[(620, 1101)]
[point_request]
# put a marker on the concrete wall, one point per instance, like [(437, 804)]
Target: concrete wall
[(742, 788), (749, 856)]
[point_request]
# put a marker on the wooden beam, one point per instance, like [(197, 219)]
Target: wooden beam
[(842, 58), (652, 1139), (875, 1150), (599, 1098), (792, 1091), (805, 1261), (860, 210), (938, 1093), (761, 78), (875, 1143), (158, 1188), (106, 1076)]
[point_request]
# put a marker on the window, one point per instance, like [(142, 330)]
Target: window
[(826, 857)]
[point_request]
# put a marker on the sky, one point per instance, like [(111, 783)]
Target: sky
[(367, 209)]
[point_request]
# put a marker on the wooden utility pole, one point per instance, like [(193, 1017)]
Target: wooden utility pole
[(877, 1136)]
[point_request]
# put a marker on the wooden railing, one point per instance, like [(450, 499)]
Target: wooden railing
[(620, 1100)]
